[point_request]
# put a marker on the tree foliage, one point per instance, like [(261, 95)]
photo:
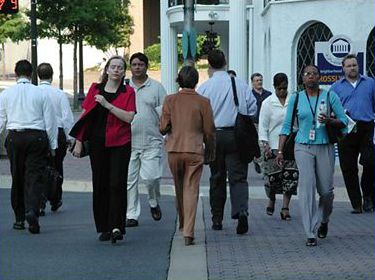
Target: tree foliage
[(12, 27)]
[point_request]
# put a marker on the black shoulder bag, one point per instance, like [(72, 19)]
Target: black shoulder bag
[(245, 133), (288, 150)]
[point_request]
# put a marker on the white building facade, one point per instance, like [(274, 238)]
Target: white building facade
[(268, 36)]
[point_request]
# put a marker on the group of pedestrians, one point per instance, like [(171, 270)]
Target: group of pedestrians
[(37, 119), (122, 125)]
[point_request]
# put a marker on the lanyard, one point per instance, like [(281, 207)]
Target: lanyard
[(316, 105)]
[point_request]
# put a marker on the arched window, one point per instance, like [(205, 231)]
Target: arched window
[(370, 57), (306, 46)]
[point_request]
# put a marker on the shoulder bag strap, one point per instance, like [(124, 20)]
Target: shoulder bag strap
[(234, 91), (294, 113)]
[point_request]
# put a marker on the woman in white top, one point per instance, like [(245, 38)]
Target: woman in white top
[(278, 180)]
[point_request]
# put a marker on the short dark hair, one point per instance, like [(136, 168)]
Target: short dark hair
[(45, 71), (279, 78), (23, 68), (348, 56), (140, 56), (255, 75), (311, 65), (187, 77), (216, 59), (232, 72)]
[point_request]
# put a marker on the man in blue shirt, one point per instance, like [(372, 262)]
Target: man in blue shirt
[(357, 95), (260, 94), (227, 163)]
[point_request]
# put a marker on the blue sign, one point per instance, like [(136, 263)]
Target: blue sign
[(329, 55)]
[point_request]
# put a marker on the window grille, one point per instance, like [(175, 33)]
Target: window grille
[(306, 46), (370, 57)]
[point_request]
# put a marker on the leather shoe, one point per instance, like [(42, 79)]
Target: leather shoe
[(56, 206), (323, 230), (189, 241), (116, 235), (19, 225), (32, 220), (368, 206), (131, 223), (357, 210), (217, 226), (243, 225), (311, 242), (105, 236), (156, 212)]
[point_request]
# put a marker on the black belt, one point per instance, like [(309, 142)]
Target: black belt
[(225, 128), (25, 130)]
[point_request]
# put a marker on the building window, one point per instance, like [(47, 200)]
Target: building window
[(370, 57), (306, 46)]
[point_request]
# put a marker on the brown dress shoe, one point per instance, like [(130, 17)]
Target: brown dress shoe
[(189, 241), (156, 213)]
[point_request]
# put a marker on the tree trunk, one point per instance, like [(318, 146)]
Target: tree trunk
[(3, 58), (61, 76), (81, 94), (75, 103)]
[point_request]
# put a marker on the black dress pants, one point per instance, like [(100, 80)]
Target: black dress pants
[(352, 146), (109, 178), (28, 154), (227, 163), (58, 160)]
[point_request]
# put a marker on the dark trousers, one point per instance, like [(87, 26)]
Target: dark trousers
[(54, 193), (109, 178), (353, 145), (227, 162), (28, 155)]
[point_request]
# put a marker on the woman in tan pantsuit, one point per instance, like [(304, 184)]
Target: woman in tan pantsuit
[(188, 120)]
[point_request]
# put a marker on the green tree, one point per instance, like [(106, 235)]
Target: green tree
[(98, 23), (12, 27), (53, 21)]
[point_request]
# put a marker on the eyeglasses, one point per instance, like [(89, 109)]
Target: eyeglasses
[(305, 74), (282, 88)]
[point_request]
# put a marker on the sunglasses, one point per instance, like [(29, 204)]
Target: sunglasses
[(282, 88)]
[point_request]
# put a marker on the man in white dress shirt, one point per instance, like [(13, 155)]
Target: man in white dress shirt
[(28, 115), (227, 163), (65, 122)]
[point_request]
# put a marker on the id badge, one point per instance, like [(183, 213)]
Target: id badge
[(312, 135)]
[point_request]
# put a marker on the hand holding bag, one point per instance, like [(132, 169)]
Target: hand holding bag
[(84, 151), (334, 133)]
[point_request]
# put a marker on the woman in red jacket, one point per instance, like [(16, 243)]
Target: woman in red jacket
[(108, 110)]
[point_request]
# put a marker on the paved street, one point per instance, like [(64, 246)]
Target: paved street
[(68, 248)]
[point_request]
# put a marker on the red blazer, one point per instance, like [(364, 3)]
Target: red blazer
[(117, 132)]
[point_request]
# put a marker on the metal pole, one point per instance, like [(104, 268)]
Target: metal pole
[(188, 26), (34, 35)]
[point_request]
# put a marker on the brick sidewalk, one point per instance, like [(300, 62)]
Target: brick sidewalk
[(275, 249)]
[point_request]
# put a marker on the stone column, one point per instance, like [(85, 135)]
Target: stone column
[(238, 38), (168, 44)]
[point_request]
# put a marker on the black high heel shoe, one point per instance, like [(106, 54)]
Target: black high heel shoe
[(270, 210), (283, 216), (116, 235)]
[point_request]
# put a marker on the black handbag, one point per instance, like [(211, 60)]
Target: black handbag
[(245, 133), (288, 150), (334, 133), (85, 148)]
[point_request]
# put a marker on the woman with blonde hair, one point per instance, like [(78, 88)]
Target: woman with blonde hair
[(108, 110)]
